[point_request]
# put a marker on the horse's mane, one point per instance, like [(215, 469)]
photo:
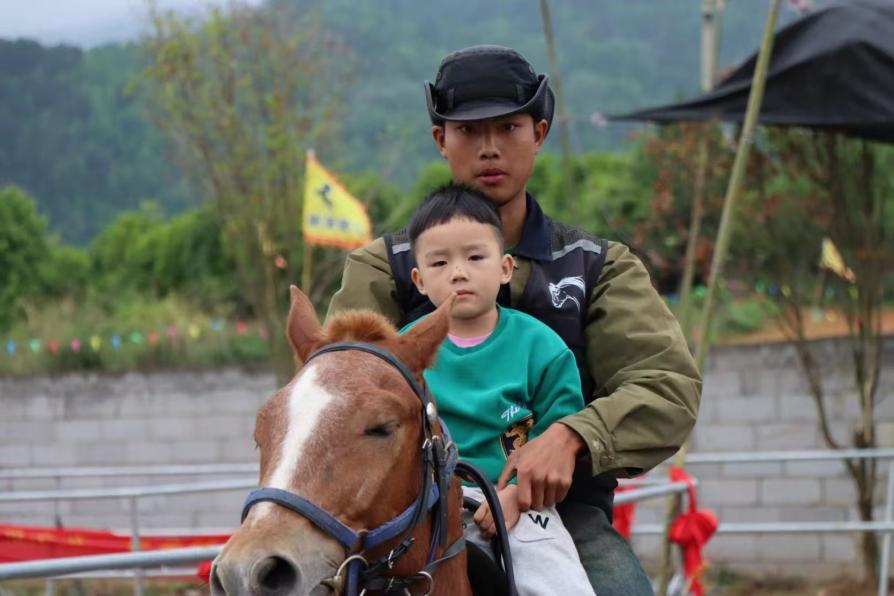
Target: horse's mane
[(359, 325)]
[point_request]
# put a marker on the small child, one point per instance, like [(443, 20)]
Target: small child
[(500, 378)]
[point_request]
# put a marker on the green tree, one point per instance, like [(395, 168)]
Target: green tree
[(243, 95), (23, 250), (188, 257), (118, 263), (813, 185), (66, 272)]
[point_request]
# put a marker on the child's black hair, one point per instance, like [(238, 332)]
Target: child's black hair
[(454, 201)]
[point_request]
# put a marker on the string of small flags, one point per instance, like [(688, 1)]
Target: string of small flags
[(117, 341)]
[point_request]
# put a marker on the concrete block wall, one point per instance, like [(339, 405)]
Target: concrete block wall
[(754, 399), (129, 420)]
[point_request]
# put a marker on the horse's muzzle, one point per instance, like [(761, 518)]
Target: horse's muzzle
[(270, 575), (275, 558)]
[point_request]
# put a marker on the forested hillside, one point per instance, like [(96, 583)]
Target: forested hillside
[(76, 140), (74, 137)]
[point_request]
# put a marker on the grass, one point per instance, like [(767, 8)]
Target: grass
[(733, 315)]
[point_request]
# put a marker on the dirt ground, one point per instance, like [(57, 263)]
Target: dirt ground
[(717, 584), (820, 325), (779, 586)]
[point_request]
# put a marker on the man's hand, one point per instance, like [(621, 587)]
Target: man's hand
[(544, 467), (508, 502)]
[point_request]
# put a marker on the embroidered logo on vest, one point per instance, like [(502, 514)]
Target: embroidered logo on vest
[(560, 293), (516, 435)]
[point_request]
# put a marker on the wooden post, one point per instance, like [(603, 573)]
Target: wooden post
[(307, 264), (708, 68), (307, 269), (561, 112)]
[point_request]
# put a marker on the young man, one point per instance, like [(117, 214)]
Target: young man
[(500, 378), (490, 115)]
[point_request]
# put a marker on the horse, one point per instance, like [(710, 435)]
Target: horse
[(340, 463)]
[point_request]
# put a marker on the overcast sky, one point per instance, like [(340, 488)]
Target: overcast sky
[(83, 22)]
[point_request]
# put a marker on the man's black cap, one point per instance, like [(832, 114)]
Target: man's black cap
[(487, 81)]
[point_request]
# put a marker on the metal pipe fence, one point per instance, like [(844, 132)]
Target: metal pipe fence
[(884, 526), (124, 471), (750, 457), (252, 468), (54, 568), (645, 488), (131, 492)]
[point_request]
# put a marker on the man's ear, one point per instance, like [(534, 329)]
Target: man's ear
[(540, 130), (417, 280), (507, 266), (438, 133)]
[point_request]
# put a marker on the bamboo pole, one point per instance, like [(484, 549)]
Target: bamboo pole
[(695, 227), (734, 188), (710, 21), (732, 195), (561, 111)]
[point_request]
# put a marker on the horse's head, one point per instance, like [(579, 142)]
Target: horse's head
[(345, 434)]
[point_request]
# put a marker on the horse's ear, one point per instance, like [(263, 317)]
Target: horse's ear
[(303, 330), (418, 347)]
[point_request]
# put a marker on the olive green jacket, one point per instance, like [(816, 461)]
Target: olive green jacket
[(645, 375)]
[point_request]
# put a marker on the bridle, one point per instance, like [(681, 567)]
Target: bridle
[(439, 460)]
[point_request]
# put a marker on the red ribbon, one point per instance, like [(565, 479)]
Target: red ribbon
[(622, 515), (692, 530), (204, 572)]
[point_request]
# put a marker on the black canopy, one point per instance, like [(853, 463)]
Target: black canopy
[(833, 69)]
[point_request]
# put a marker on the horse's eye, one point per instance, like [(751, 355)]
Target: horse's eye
[(380, 430)]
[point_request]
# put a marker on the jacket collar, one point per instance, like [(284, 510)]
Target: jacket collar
[(535, 238)]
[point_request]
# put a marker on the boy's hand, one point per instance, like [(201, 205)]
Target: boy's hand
[(508, 502), (544, 467)]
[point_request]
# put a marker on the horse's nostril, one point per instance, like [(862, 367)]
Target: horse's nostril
[(275, 575), (217, 587)]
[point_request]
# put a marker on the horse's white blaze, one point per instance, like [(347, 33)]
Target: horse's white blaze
[(307, 401)]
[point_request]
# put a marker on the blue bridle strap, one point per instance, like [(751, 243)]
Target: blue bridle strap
[(400, 524), (320, 518)]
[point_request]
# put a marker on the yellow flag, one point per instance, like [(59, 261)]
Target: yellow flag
[(332, 217), (831, 259)]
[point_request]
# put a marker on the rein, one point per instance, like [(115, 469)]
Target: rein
[(439, 460)]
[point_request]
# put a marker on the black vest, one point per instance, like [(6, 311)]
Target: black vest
[(565, 265)]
